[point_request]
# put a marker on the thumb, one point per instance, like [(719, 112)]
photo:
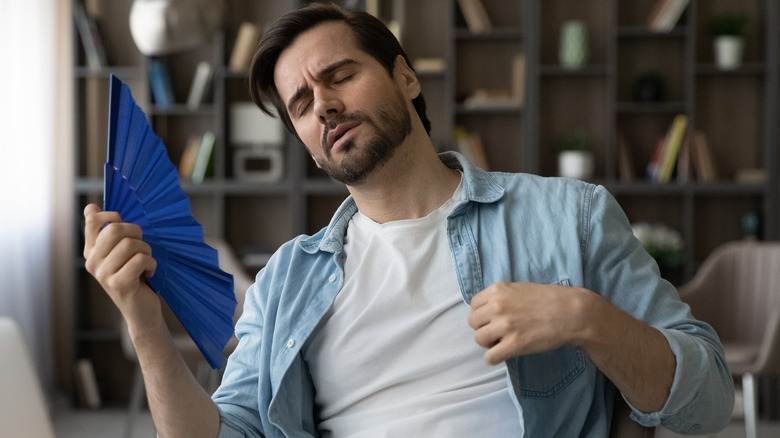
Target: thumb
[(91, 209)]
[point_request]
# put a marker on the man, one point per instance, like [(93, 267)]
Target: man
[(441, 300)]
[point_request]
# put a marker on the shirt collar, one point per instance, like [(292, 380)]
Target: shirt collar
[(478, 186)]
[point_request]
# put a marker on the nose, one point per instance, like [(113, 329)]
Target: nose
[(327, 103)]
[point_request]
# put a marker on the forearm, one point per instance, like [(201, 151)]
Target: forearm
[(633, 355), (180, 406)]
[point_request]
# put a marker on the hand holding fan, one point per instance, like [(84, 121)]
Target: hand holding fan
[(142, 185)]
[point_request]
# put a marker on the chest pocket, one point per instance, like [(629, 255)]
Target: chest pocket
[(544, 375)]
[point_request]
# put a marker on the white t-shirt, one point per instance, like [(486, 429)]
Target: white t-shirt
[(395, 356)]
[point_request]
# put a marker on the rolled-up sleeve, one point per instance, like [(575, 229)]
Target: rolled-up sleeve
[(702, 394)]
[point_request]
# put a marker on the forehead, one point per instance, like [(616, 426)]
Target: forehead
[(313, 50)]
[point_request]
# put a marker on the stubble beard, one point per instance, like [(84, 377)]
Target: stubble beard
[(393, 126)]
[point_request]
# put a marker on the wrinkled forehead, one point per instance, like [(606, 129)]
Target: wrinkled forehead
[(312, 51)]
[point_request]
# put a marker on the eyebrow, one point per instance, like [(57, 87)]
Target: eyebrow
[(328, 70)]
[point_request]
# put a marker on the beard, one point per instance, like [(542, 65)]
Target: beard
[(394, 124)]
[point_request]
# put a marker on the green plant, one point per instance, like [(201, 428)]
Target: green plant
[(729, 23), (574, 140)]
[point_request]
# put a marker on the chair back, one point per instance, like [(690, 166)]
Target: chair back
[(744, 279), (23, 411), (737, 291)]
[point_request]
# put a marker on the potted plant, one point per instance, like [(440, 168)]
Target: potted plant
[(728, 31), (575, 159)]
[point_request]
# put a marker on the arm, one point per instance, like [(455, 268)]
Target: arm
[(512, 319), (118, 258), (636, 306)]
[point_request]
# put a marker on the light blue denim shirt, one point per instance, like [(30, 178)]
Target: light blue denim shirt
[(512, 227)]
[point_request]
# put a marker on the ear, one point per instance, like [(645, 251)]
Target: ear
[(406, 78)]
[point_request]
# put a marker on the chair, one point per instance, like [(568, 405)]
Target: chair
[(23, 411), (737, 291), (228, 262), (623, 426)]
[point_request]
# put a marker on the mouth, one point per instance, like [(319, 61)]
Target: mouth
[(334, 135)]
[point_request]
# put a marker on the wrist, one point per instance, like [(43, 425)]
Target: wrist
[(591, 312)]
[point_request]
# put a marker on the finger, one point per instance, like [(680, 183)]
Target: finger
[(123, 251), (95, 221), (123, 267), (132, 270), (478, 317), (116, 238), (487, 336), (110, 236), (498, 353), (486, 295)]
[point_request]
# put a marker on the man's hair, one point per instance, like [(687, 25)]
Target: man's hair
[(371, 35)]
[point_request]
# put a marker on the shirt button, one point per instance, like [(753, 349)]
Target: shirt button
[(291, 343), (332, 278)]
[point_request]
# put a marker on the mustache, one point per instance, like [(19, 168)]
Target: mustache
[(332, 123)]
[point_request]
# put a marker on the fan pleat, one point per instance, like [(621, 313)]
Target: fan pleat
[(142, 184)]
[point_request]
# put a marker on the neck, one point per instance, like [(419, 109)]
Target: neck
[(410, 186)]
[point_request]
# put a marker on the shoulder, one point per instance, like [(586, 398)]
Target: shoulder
[(547, 192)]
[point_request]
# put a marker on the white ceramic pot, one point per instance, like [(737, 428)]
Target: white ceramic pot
[(728, 51), (576, 164)]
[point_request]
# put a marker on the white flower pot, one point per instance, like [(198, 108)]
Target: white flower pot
[(576, 164), (728, 51)]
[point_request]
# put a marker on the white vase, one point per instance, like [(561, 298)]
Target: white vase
[(576, 164), (728, 51)]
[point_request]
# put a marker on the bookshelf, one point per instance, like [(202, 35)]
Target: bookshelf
[(736, 109)]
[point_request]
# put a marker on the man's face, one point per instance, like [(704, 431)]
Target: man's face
[(345, 107)]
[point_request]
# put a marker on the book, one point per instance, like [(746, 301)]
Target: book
[(665, 14), (86, 383), (672, 147), (701, 158), (430, 65), (684, 169), (160, 82), (244, 48), (475, 15), (200, 85), (491, 99), (90, 36), (518, 78), (654, 164), (189, 157), (205, 158), (625, 159), (470, 145)]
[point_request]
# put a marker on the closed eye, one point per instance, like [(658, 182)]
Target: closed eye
[(342, 80)]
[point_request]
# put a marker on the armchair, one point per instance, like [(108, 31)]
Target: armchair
[(737, 291)]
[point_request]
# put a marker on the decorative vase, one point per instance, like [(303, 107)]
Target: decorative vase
[(573, 50), (576, 164), (160, 27), (728, 51)]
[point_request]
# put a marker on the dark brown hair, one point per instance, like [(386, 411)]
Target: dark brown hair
[(372, 37)]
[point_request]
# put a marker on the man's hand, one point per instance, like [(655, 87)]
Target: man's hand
[(513, 319), (118, 258)]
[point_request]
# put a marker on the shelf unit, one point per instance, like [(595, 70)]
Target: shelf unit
[(739, 107), (734, 108)]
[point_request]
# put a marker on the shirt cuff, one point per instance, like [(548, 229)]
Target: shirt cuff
[(702, 396)]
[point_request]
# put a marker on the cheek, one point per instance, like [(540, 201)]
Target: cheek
[(310, 135)]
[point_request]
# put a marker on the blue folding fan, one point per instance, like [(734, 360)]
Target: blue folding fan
[(142, 184)]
